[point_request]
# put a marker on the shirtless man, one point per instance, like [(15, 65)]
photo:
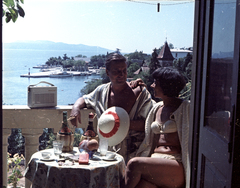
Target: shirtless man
[(137, 102)]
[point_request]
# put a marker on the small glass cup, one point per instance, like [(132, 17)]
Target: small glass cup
[(103, 146), (57, 147)]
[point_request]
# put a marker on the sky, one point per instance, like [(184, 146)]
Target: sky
[(129, 25)]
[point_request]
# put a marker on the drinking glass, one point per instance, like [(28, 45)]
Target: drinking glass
[(57, 147), (103, 146)]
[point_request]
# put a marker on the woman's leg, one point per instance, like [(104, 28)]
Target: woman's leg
[(158, 171)]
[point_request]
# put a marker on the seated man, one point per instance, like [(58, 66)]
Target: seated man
[(137, 102)]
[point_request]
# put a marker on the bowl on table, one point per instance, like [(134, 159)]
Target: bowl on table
[(46, 155)]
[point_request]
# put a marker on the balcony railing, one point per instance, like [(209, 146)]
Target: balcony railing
[(32, 122)]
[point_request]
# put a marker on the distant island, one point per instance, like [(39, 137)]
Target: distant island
[(49, 45)]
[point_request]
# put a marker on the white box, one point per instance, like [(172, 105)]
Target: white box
[(42, 96)]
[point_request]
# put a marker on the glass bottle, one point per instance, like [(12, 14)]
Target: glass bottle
[(86, 141), (65, 129), (90, 133)]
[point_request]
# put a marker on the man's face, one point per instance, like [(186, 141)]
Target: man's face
[(117, 72)]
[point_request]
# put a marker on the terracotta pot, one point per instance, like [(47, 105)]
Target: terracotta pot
[(67, 141)]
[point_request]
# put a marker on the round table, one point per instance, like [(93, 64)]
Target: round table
[(98, 173)]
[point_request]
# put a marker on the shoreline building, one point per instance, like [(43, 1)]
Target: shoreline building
[(180, 53)]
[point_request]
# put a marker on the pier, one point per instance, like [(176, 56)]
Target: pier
[(47, 74)]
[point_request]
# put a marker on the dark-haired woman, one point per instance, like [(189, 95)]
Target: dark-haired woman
[(164, 154)]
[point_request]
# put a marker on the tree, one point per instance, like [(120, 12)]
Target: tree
[(11, 9), (184, 65), (45, 138), (137, 56), (79, 65), (16, 142), (154, 64), (65, 57), (97, 60), (131, 69), (171, 46), (93, 84)]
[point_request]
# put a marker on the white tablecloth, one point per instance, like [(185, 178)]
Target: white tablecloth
[(97, 174)]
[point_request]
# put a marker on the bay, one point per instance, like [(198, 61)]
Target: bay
[(18, 61)]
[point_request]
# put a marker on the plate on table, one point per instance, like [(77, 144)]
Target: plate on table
[(74, 157), (109, 159), (48, 159)]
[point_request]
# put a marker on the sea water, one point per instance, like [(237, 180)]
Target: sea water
[(18, 61)]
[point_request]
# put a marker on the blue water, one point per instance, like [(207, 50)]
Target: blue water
[(18, 61)]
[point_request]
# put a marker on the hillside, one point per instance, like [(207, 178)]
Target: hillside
[(48, 46)]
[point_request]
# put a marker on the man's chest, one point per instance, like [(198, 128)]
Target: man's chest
[(124, 100)]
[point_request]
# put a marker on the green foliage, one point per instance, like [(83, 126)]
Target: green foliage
[(11, 9), (80, 55), (186, 92), (46, 138), (97, 61), (184, 65), (51, 138), (68, 63), (16, 142), (154, 64), (171, 46), (91, 85), (137, 56), (54, 61), (77, 136), (14, 165), (65, 57), (79, 65), (131, 69), (105, 78)]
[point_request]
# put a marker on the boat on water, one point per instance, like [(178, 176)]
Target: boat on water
[(60, 74)]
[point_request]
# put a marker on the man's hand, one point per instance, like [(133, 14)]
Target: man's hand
[(74, 121), (75, 115), (136, 83)]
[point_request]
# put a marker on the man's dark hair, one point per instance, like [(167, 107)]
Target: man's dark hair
[(114, 57), (170, 80)]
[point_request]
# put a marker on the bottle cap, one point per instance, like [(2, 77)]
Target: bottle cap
[(91, 115)]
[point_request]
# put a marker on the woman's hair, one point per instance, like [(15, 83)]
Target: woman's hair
[(170, 80), (114, 57)]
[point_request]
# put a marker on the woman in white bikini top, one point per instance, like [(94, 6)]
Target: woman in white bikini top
[(169, 126), (164, 168)]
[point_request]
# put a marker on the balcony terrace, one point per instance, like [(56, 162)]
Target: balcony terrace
[(32, 122)]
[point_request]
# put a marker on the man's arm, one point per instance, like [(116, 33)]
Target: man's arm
[(75, 115), (137, 82)]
